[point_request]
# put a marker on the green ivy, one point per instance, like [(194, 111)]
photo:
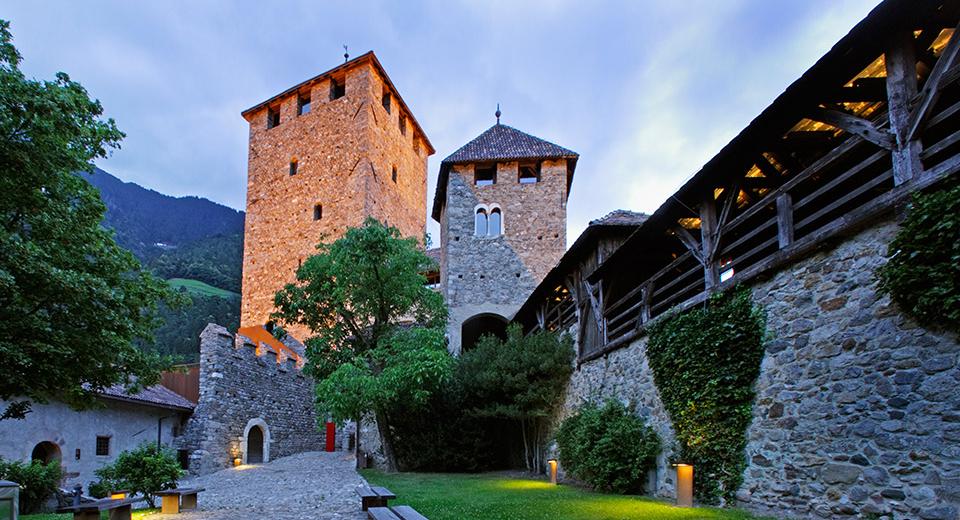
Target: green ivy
[(704, 363), (608, 447), (923, 274)]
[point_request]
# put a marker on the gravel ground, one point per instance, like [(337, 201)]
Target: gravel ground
[(313, 485)]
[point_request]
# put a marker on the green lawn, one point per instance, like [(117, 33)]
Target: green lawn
[(137, 514), (490, 496), (198, 287)]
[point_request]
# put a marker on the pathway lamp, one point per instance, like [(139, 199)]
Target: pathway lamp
[(9, 500), (552, 465), (684, 485)]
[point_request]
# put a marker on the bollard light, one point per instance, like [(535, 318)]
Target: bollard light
[(9, 500), (119, 495), (684, 485), (237, 461), (552, 463)]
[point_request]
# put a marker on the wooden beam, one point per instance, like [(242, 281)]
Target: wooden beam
[(901, 88), (646, 295), (688, 241), (854, 125), (769, 170), (785, 220), (597, 309), (863, 90), (931, 88), (708, 239)]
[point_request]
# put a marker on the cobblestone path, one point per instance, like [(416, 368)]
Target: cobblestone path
[(312, 485)]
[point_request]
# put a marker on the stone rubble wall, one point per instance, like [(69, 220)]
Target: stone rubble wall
[(238, 385), (857, 411)]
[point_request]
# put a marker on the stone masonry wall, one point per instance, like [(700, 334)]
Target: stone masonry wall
[(345, 149), (857, 411), (497, 274), (239, 388)]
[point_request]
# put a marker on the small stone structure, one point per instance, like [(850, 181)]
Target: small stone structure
[(243, 388)]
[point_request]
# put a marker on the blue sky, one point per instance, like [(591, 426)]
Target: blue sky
[(645, 91)]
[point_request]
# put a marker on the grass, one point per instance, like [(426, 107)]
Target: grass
[(137, 514), (198, 287), (494, 496)]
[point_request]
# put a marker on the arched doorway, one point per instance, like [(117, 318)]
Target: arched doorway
[(46, 452), (255, 443), (479, 325)]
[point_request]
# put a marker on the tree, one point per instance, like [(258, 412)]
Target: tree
[(378, 330), (145, 470), (72, 302), (521, 378)]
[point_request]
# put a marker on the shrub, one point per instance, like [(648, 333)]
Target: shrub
[(608, 447), (145, 470), (102, 488), (38, 481), (923, 274)]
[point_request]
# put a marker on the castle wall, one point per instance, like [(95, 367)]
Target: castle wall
[(497, 274), (856, 409), (345, 150), (239, 388)]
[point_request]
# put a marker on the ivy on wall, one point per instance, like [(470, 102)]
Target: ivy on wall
[(704, 364), (923, 274)]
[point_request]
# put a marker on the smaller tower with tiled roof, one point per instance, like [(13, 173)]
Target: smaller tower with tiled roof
[(501, 202)]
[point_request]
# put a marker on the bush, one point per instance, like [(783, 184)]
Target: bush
[(608, 447), (102, 488), (145, 470), (923, 274), (38, 481)]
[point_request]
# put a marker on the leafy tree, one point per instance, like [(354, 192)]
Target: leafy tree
[(359, 296), (179, 335), (521, 379), (71, 301), (145, 470), (38, 481)]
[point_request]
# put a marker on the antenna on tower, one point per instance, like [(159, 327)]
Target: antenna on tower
[(497, 113), (346, 54)]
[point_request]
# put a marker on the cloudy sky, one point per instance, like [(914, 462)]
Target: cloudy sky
[(646, 91)]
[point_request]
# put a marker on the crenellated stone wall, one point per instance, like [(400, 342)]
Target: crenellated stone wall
[(241, 388), (857, 411)]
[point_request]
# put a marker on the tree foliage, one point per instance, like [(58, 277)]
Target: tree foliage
[(704, 363), (72, 301), (38, 481), (521, 379), (923, 274), (378, 331), (145, 470), (217, 261), (608, 447)]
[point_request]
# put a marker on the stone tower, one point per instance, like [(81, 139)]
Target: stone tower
[(324, 155), (501, 203)]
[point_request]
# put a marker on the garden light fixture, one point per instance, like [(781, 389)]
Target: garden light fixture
[(552, 463), (684, 485)]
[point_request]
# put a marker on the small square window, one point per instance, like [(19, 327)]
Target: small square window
[(273, 117), (337, 89), (385, 100), (103, 445), (393, 175), (318, 212), (294, 164), (529, 173), (303, 104), (485, 175), (402, 122)]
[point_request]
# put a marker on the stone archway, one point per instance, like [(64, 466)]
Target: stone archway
[(479, 325), (256, 442), (46, 452)]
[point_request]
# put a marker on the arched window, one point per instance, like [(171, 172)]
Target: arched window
[(480, 224), (495, 226)]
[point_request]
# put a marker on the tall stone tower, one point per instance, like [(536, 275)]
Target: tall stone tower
[(324, 155), (501, 203)]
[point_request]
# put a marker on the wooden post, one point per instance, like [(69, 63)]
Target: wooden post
[(646, 295), (785, 220), (708, 240), (901, 88)]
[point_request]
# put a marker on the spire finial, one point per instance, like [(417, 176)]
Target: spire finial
[(346, 54), (497, 113)]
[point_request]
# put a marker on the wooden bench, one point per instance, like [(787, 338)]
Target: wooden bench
[(119, 509), (175, 500), (374, 497), (394, 513)]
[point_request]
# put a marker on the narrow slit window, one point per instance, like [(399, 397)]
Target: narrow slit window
[(385, 101), (337, 89), (293, 166), (317, 211), (485, 175), (303, 104), (273, 117), (393, 175), (402, 123), (480, 223), (529, 173), (495, 224)]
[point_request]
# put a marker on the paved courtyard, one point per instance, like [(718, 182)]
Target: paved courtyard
[(312, 485)]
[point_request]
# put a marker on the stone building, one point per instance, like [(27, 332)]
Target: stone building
[(324, 155), (501, 202)]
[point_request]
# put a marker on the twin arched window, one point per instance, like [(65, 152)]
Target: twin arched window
[(488, 222)]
